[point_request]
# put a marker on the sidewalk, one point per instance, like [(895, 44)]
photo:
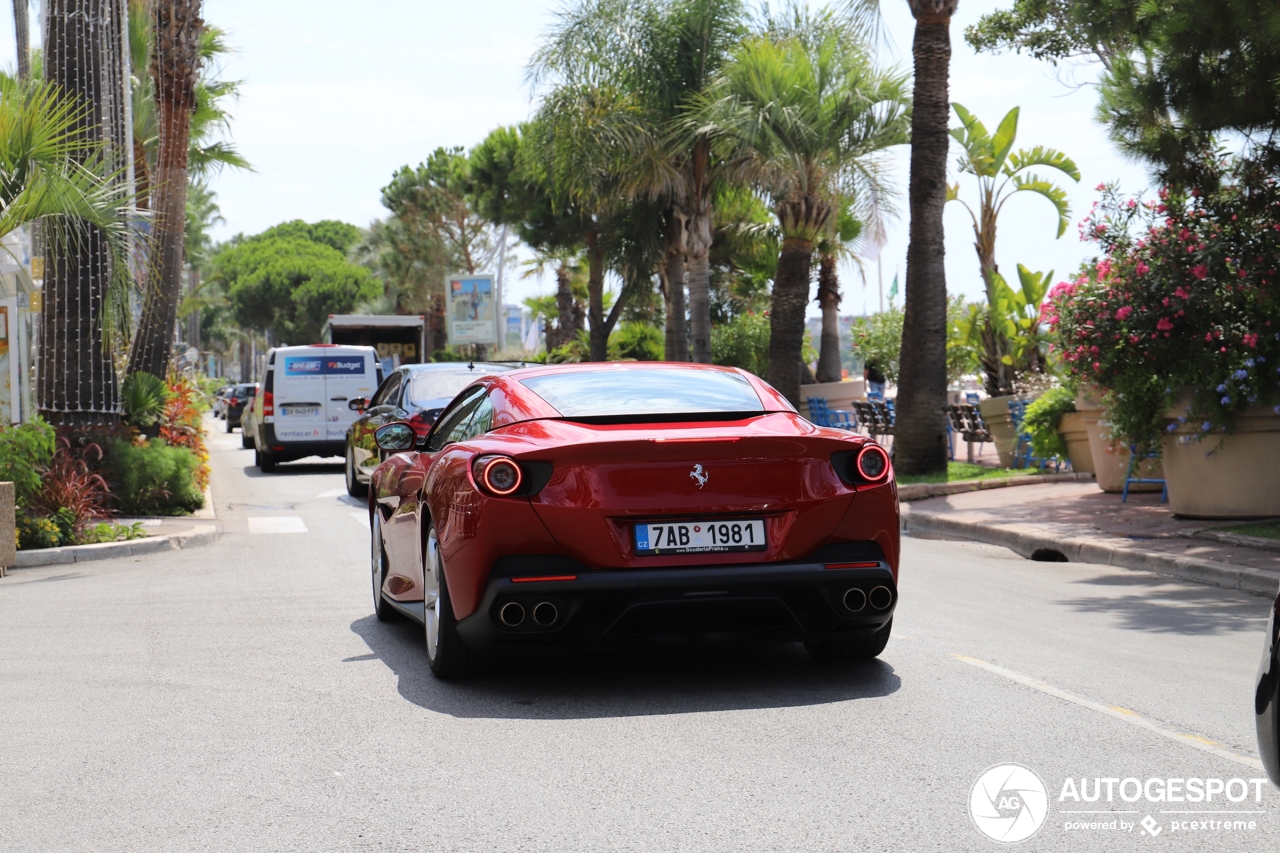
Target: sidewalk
[(1080, 523)]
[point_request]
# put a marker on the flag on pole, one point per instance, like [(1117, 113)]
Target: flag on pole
[(531, 335), (893, 288)]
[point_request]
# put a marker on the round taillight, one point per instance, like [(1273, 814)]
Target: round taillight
[(873, 463), (501, 475)]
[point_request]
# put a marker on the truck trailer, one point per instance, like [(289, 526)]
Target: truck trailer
[(398, 338)]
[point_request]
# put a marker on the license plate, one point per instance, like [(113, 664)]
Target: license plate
[(299, 411), (699, 537)]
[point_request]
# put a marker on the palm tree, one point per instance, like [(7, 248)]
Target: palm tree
[(22, 30), (803, 117), (920, 439), (175, 66), (999, 169), (661, 55), (835, 244), (85, 245)]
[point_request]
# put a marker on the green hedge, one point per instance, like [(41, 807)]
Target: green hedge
[(154, 478)]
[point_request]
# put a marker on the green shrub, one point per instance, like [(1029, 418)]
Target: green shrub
[(108, 532), (143, 398), (641, 341), (154, 478), (25, 451), (36, 532), (1044, 416), (742, 342)]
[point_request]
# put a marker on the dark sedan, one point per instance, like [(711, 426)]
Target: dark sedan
[(1267, 698), (237, 400), (415, 394)]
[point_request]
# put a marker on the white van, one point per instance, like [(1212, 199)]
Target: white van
[(302, 404)]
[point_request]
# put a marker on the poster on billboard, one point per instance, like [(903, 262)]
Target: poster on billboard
[(471, 310)]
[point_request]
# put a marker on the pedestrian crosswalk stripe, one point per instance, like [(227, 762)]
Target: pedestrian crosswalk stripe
[(276, 524)]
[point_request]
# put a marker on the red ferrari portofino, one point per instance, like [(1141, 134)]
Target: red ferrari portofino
[(632, 503)]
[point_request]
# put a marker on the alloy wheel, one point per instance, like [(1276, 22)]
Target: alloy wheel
[(431, 595)]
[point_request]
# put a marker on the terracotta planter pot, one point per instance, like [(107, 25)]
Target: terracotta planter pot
[(1236, 476), (995, 411), (1077, 439), (1110, 458)]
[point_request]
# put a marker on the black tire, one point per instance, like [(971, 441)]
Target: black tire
[(449, 657), (266, 464), (355, 488), (246, 440), (229, 425), (378, 570), (864, 647)]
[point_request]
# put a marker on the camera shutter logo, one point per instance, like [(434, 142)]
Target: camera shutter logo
[(1009, 803)]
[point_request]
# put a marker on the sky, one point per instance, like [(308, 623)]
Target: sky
[(334, 100)]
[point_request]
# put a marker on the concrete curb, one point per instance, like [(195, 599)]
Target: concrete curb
[(1026, 540), (920, 491), (1238, 539), (111, 550)]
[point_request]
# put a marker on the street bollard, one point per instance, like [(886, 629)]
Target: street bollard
[(8, 529)]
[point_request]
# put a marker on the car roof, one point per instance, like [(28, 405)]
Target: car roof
[(459, 366)]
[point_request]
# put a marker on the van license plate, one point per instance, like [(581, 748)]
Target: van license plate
[(299, 411), (699, 537)]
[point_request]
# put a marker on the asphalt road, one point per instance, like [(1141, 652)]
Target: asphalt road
[(242, 697)]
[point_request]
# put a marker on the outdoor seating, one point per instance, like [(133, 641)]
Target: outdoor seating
[(1134, 460), (823, 415), (876, 417), (1022, 451), (966, 421)]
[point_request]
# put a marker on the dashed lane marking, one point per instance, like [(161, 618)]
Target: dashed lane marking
[(363, 518), (332, 493), (1183, 736), (276, 524)]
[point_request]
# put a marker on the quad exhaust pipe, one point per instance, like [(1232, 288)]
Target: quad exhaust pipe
[(511, 614), (855, 599), (880, 598)]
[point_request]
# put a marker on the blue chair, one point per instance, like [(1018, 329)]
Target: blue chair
[(972, 398), (1129, 478), (1022, 450), (875, 396), (822, 415)]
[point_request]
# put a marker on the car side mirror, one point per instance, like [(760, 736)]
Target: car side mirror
[(358, 404), (395, 438)]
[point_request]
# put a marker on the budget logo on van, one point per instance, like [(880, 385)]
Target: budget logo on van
[(307, 366)]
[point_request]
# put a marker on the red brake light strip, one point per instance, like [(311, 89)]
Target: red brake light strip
[(545, 578), (851, 565)]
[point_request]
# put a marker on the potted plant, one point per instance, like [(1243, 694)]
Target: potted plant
[(1057, 429), (1179, 320), (1111, 456)]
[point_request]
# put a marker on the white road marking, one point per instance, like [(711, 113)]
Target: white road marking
[(276, 524), (1183, 736), (332, 493), (363, 518)]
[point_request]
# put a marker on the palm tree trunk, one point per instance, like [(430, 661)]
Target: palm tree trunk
[(563, 332), (77, 379), (700, 286), (599, 335), (174, 68), (677, 331), (22, 28), (786, 316), (829, 302), (920, 445)]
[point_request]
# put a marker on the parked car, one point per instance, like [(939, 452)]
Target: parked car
[(632, 503), (301, 409), (415, 394), (220, 401), (236, 401), (1267, 698), (248, 424)]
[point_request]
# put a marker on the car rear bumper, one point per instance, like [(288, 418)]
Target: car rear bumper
[(283, 451), (778, 602)]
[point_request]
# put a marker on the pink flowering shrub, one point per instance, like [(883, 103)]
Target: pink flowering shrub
[(1185, 295)]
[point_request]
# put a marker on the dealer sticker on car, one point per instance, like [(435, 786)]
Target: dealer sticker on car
[(699, 537)]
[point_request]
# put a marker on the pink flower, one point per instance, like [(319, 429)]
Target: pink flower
[(1100, 187), (1142, 268), (1251, 341), (1124, 312), (1200, 271), (1182, 293), (1164, 324), (1104, 269)]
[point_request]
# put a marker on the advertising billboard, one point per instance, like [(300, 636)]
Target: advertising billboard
[(471, 309)]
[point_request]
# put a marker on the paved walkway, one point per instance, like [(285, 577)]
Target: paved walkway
[(1079, 521)]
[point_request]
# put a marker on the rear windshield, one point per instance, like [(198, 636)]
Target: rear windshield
[(431, 386), (645, 394), (241, 390)]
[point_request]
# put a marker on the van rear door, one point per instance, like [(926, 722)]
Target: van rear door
[(350, 372), (299, 395)]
